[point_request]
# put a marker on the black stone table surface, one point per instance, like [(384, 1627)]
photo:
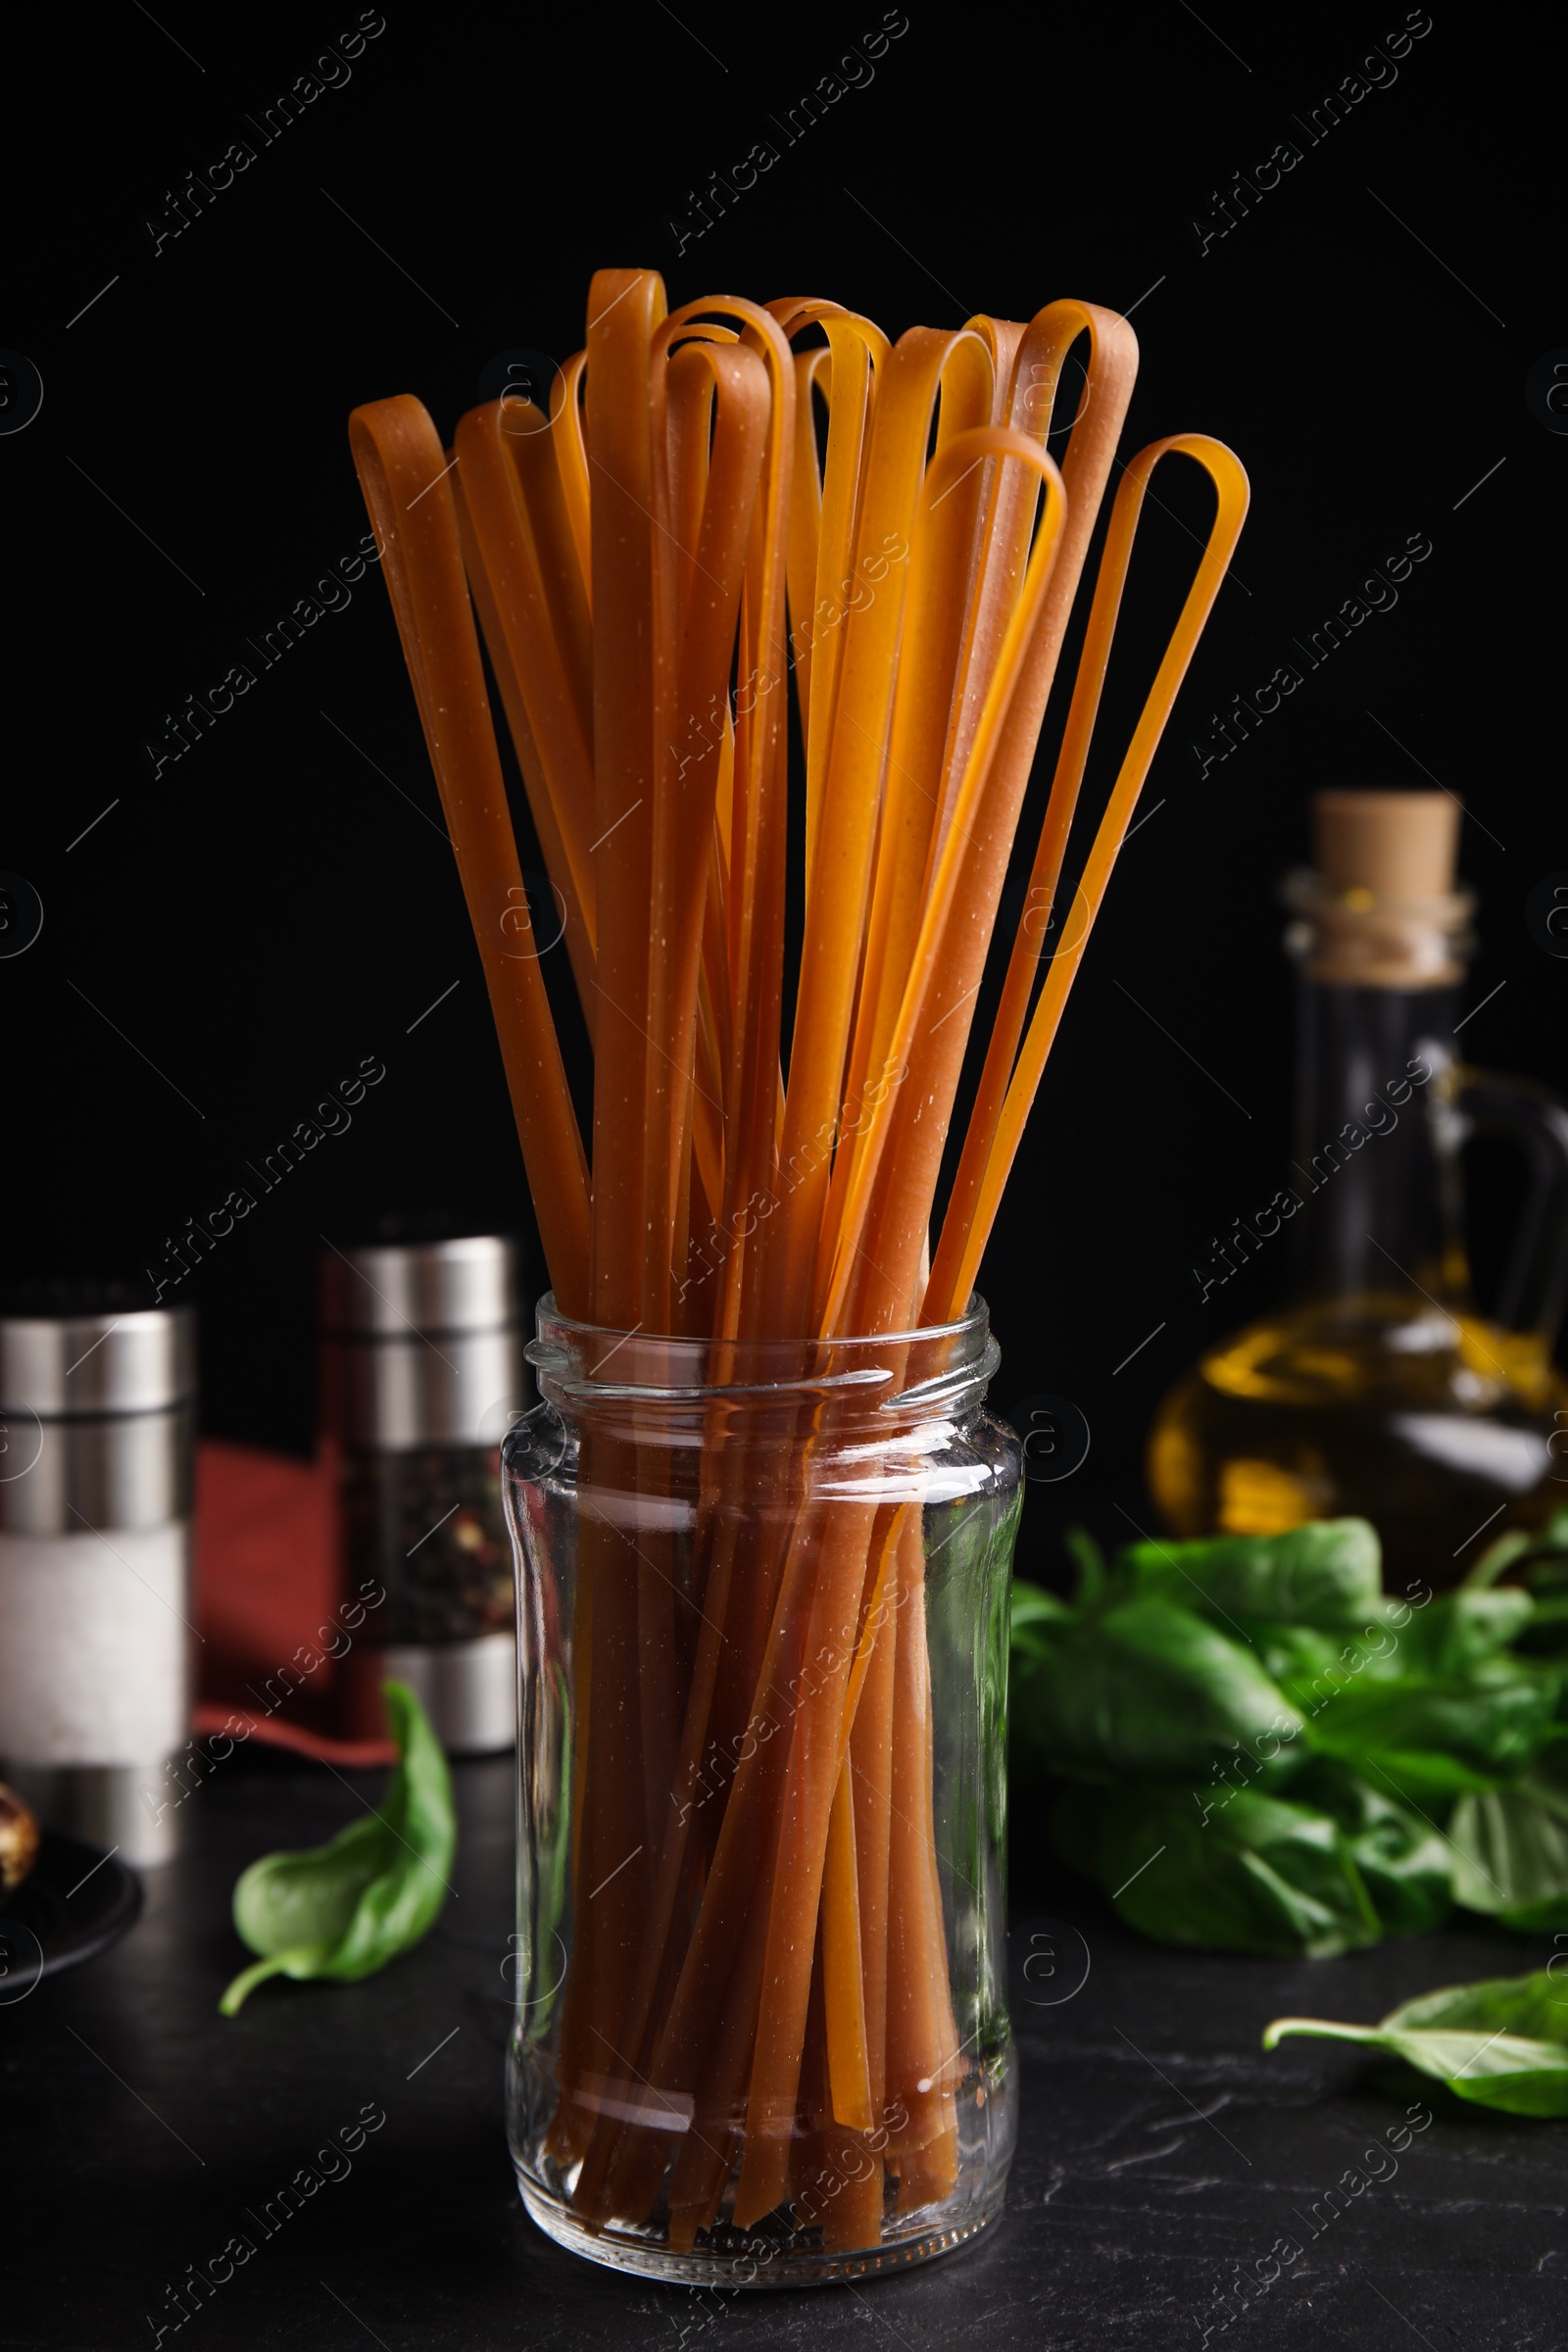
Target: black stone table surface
[(1163, 2156)]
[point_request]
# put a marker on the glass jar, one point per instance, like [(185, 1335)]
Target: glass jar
[(762, 2031)]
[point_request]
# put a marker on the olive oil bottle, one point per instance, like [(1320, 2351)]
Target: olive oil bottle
[(1378, 1389)]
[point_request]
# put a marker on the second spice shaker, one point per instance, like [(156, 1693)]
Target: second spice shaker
[(97, 1414), (422, 1374)]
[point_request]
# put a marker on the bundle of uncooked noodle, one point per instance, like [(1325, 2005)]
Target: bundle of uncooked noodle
[(709, 524)]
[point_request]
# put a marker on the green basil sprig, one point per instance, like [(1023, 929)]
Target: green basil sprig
[(1503, 2043), (1254, 1874), (1404, 1861), (343, 1910), (1423, 1737), (1264, 1753), (1147, 1686), (1541, 1562), (1327, 1573), (1510, 1847)]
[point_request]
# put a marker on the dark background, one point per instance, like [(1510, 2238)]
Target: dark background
[(230, 939)]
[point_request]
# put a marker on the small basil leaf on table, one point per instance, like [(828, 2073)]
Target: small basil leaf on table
[(1249, 1874), (1503, 2043), (343, 1910), (1147, 1688), (1326, 1573), (1406, 1863)]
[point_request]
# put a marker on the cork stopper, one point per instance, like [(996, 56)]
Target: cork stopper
[(1382, 909), (1398, 844)]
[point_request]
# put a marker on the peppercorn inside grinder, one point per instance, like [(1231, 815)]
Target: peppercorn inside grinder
[(422, 1374)]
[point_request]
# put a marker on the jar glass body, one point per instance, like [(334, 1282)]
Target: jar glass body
[(762, 2032)]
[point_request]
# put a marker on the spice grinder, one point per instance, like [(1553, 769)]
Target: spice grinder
[(97, 1408), (422, 1374)]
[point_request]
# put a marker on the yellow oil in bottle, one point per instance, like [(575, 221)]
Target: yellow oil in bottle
[(1438, 1428), (1378, 1389)]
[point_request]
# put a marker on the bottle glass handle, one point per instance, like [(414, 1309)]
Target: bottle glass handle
[(1534, 1280)]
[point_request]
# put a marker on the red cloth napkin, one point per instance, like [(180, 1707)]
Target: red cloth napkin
[(268, 1589)]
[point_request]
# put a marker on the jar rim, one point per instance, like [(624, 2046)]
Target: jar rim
[(974, 1317), (680, 1368)]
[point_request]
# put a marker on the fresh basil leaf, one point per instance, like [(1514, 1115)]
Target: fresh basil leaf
[(1421, 1737), (1546, 1634), (1236, 1872), (1451, 1634), (1296, 1655), (1147, 1688), (1037, 1620), (1312, 1666), (1547, 1777), (1454, 1647), (1091, 1565), (1498, 1556), (1030, 1750), (1405, 1860), (1326, 1573), (309, 1899), (1512, 1859), (1540, 1560), (1548, 1549), (344, 1909), (1034, 1612), (1545, 1579), (1503, 2043)]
